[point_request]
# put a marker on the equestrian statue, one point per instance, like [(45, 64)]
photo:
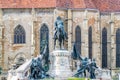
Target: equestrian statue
[(60, 33)]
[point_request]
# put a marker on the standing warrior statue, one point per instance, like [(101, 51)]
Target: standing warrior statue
[(83, 67), (93, 67)]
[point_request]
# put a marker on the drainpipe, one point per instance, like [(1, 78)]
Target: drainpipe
[(111, 37)]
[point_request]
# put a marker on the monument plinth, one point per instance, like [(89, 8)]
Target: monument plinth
[(60, 65)]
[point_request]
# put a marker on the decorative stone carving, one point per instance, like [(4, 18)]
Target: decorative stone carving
[(60, 65)]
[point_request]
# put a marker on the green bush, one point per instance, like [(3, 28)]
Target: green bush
[(74, 78)]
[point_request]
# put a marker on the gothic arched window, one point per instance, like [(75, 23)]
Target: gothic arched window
[(78, 39), (90, 42), (104, 48), (19, 35), (44, 36), (118, 48)]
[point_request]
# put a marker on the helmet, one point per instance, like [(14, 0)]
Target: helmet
[(58, 18)]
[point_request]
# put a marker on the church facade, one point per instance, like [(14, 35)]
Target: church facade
[(94, 27)]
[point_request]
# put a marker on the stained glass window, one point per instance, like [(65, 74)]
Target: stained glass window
[(78, 39), (118, 48), (90, 42), (19, 35), (104, 48), (44, 36)]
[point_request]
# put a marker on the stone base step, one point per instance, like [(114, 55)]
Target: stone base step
[(101, 79), (74, 78), (105, 79)]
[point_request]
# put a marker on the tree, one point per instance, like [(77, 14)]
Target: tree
[(0, 70)]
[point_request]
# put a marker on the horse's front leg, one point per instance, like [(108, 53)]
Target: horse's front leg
[(63, 42), (60, 44), (54, 43)]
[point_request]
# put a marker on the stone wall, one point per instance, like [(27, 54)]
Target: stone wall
[(1, 40), (85, 19), (12, 18), (33, 19)]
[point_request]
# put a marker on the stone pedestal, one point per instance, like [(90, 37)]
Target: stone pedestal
[(119, 76), (57, 46), (60, 64), (105, 75)]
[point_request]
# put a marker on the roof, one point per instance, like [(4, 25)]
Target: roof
[(102, 5), (82, 4), (27, 3), (107, 5)]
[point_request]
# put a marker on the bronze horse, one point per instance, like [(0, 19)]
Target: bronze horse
[(60, 36)]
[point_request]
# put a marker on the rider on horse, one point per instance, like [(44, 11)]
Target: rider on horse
[(60, 33), (59, 24)]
